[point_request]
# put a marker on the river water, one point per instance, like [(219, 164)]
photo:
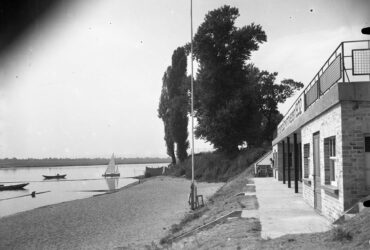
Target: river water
[(80, 182)]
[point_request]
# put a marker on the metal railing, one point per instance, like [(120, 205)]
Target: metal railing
[(349, 62)]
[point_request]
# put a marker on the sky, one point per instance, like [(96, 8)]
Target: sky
[(85, 80)]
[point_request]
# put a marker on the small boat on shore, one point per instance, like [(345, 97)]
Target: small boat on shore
[(13, 187), (150, 172), (58, 176), (112, 169)]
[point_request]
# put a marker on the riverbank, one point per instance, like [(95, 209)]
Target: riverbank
[(132, 217), (60, 162)]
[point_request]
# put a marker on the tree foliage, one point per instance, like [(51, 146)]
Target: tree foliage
[(175, 105), (235, 103), (226, 109), (269, 95), (164, 114), (178, 94)]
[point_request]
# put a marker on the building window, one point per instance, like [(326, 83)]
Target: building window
[(306, 160), (367, 144), (367, 160), (330, 158)]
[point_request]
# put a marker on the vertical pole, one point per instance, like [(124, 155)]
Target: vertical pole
[(295, 148), (289, 162), (192, 110), (368, 46), (343, 69), (318, 87), (300, 161), (284, 162)]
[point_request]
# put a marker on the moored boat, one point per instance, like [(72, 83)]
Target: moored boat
[(58, 176), (13, 187)]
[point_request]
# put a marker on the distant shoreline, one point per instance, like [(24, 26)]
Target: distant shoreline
[(14, 163)]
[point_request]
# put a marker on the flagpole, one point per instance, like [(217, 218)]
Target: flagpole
[(192, 188)]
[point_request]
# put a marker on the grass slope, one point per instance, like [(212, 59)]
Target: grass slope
[(216, 166), (242, 233)]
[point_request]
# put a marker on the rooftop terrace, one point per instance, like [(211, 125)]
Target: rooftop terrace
[(350, 62)]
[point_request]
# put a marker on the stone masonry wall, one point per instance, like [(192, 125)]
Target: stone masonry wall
[(356, 124), (327, 124)]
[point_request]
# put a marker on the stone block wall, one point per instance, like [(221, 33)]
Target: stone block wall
[(356, 125), (327, 124)]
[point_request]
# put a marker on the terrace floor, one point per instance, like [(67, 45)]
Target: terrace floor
[(281, 211)]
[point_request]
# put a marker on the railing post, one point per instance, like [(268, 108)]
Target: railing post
[(342, 58), (318, 87)]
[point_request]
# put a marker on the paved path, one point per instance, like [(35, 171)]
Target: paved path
[(281, 211)]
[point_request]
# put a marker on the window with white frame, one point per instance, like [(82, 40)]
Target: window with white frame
[(306, 160), (330, 159)]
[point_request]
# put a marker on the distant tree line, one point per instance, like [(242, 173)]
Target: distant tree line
[(50, 162), (235, 102)]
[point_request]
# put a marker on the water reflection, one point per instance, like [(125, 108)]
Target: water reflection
[(81, 182), (112, 183)]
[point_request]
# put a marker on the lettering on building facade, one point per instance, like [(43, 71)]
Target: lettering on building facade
[(295, 111)]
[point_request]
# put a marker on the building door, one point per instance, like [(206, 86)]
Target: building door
[(367, 160), (316, 171)]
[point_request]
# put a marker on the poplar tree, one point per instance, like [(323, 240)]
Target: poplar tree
[(164, 114), (173, 106), (178, 96)]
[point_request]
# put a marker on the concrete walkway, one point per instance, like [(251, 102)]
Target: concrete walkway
[(281, 211)]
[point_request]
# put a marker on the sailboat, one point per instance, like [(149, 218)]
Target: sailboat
[(112, 169)]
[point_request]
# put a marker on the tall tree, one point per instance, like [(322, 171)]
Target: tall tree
[(226, 108), (178, 96), (164, 114), (269, 95)]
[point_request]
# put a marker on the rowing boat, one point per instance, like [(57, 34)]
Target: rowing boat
[(58, 176), (13, 187)]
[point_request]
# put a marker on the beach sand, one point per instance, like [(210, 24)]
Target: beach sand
[(132, 217)]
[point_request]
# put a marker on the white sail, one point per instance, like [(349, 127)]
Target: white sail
[(112, 168)]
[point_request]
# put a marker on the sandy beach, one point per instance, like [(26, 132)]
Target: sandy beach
[(133, 217)]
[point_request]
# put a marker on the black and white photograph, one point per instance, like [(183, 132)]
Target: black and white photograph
[(187, 124)]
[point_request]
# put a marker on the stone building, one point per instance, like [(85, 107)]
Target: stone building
[(322, 145)]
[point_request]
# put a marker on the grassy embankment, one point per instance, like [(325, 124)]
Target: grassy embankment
[(214, 232), (244, 233), (215, 167)]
